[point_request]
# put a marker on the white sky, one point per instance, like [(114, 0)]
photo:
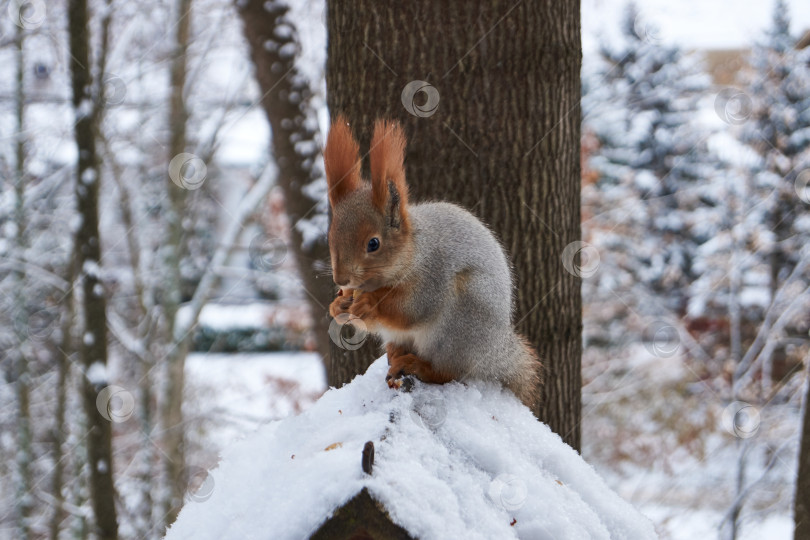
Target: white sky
[(712, 24)]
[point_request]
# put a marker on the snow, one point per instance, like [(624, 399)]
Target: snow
[(457, 461), (704, 524), (755, 296), (317, 189), (312, 38), (241, 391), (88, 176), (729, 148), (288, 50), (283, 32), (84, 109), (305, 148), (91, 268), (312, 229), (97, 372), (224, 317)]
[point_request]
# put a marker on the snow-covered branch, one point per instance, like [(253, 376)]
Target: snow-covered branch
[(130, 342)]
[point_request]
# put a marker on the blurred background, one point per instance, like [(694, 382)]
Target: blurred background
[(695, 263)]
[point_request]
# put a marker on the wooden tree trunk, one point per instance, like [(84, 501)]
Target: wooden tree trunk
[(801, 509), (502, 140), (286, 102), (172, 399), (88, 258)]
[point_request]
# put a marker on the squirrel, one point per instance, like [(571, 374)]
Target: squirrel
[(430, 279)]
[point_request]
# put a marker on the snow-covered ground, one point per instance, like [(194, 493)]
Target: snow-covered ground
[(236, 393), (703, 524)]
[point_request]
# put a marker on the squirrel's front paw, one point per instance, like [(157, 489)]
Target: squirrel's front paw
[(364, 306), (341, 304)]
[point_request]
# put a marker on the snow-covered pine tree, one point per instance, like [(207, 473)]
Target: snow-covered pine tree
[(779, 131), (761, 179), (640, 104)]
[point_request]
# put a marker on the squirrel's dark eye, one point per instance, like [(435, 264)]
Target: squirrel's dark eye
[(373, 245)]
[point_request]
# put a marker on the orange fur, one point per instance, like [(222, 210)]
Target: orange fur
[(341, 159), (386, 160), (341, 304), (383, 307), (402, 362), (531, 379)]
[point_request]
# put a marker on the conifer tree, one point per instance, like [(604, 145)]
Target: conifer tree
[(779, 131), (641, 105)]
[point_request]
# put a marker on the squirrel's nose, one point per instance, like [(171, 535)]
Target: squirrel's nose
[(341, 280)]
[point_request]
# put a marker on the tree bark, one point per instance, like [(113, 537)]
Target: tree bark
[(801, 508), (172, 402), (88, 260), (503, 141), (286, 101)]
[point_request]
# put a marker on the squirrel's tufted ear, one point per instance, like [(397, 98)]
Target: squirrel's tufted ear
[(341, 160), (389, 192)]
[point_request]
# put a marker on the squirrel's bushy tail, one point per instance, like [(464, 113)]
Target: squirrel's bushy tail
[(528, 378)]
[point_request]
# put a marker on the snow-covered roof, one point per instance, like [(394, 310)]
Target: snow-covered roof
[(453, 461)]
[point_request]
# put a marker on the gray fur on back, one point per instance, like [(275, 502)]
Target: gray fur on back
[(464, 303)]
